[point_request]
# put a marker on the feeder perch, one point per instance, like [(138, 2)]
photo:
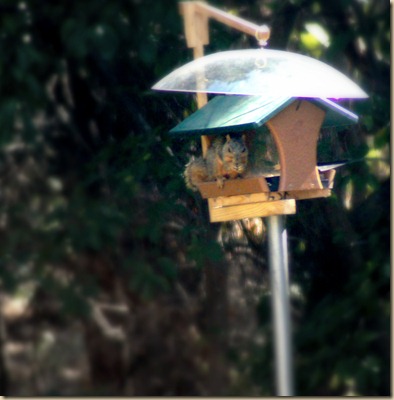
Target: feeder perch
[(294, 124)]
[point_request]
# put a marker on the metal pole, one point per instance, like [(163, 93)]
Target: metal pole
[(277, 242)]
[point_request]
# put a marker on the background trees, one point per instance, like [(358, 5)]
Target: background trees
[(125, 288)]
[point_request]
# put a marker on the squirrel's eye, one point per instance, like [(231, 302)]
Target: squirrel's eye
[(243, 150), (229, 150)]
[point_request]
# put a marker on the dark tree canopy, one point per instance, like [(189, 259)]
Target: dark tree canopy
[(127, 289)]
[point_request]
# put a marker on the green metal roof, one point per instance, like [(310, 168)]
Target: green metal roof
[(226, 114)]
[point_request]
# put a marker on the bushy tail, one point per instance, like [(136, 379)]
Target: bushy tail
[(195, 172)]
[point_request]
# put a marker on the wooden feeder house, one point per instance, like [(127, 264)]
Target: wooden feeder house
[(294, 124)]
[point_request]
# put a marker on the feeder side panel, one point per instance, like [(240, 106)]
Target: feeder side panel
[(296, 131)]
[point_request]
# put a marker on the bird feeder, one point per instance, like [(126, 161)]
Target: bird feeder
[(294, 124), (290, 96)]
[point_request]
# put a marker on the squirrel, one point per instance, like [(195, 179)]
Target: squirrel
[(224, 160)]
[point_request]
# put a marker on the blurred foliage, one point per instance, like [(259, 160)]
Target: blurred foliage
[(93, 206)]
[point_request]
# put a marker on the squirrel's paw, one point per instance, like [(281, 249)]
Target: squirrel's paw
[(220, 182)]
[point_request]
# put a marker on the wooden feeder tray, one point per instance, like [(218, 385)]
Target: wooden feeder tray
[(264, 184), (258, 196), (234, 187)]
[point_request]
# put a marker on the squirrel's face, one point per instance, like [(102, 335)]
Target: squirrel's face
[(235, 156)]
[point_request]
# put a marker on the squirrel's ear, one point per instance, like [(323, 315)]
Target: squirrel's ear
[(228, 137), (243, 138)]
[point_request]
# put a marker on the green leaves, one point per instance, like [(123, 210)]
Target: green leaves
[(81, 39), (202, 252), (92, 191)]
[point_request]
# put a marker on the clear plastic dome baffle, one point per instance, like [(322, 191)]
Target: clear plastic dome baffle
[(261, 72)]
